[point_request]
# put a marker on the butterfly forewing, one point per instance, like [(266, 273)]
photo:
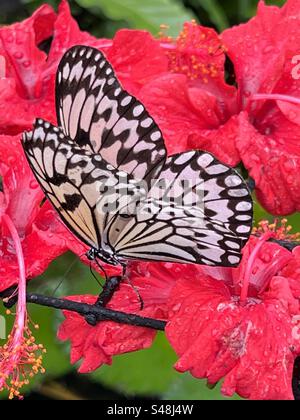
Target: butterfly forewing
[(199, 211), (93, 109), (85, 190)]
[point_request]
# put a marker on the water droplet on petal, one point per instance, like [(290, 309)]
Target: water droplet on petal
[(33, 184), (18, 55)]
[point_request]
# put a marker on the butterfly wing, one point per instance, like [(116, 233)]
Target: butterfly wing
[(85, 190), (93, 109), (199, 211)]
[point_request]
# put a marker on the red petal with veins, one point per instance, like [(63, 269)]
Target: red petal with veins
[(96, 346), (137, 58), (258, 48), (252, 346), (189, 117), (274, 165), (27, 90), (66, 34)]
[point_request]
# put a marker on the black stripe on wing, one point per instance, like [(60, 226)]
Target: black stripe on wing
[(93, 109), (200, 211)]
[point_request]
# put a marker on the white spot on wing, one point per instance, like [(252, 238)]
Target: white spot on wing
[(216, 169), (243, 206), (155, 136), (126, 101), (233, 180), (233, 259), (238, 193), (243, 229), (183, 158), (204, 160), (75, 112), (66, 71), (138, 110), (146, 123)]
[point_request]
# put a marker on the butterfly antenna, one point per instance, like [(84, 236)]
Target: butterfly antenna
[(95, 277), (101, 268), (64, 277)]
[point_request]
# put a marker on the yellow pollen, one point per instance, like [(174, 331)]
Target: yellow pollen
[(193, 53), (280, 229)]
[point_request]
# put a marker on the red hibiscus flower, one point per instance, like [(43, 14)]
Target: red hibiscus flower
[(97, 345), (270, 95), (192, 103), (250, 339), (27, 74), (258, 122)]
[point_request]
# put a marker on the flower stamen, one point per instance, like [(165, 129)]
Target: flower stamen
[(20, 357), (275, 97), (192, 53)]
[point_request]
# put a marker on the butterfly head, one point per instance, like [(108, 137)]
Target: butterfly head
[(106, 257)]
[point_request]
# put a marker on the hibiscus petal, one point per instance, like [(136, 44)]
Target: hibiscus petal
[(66, 34), (137, 58), (274, 165), (252, 346), (96, 345)]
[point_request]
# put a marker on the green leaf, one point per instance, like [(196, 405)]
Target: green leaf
[(143, 14), (146, 372), (215, 12), (188, 388)]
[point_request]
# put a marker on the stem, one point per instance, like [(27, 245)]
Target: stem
[(101, 313), (110, 286)]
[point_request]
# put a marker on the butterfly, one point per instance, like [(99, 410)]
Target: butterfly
[(105, 170)]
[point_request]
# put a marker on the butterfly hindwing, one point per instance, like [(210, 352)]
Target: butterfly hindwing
[(199, 211), (93, 109)]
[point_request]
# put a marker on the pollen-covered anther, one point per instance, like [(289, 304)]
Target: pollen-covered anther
[(193, 53), (20, 362), (280, 228)]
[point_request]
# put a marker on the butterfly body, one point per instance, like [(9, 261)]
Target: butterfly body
[(106, 172)]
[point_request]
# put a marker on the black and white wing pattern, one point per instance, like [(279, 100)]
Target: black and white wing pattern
[(95, 169), (93, 109), (199, 211), (84, 189)]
